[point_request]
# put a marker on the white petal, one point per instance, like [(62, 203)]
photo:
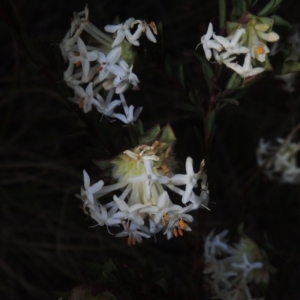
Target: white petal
[(150, 35), (114, 55), (209, 32), (86, 180), (112, 28)]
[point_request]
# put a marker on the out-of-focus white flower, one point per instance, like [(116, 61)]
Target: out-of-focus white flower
[(247, 69), (234, 271), (279, 161), (147, 28)]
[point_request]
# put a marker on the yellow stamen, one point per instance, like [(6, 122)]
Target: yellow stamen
[(175, 232), (181, 224), (260, 50), (180, 232)]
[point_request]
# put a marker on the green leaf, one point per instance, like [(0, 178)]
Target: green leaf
[(232, 27), (167, 134), (102, 164), (168, 65), (149, 136), (210, 122), (278, 21), (140, 127), (239, 7), (181, 76), (207, 70), (288, 67), (229, 101), (222, 13), (270, 7), (234, 81)]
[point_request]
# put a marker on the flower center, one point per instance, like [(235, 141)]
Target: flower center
[(260, 50)]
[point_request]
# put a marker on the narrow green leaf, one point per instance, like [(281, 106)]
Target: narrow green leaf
[(149, 136), (207, 70), (167, 134), (270, 7), (222, 13), (278, 21), (234, 81), (229, 101), (288, 67), (239, 7), (210, 122), (181, 76)]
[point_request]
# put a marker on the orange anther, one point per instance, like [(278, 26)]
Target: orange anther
[(181, 224), (78, 64), (129, 240), (133, 240), (166, 216), (180, 232), (163, 221), (175, 232), (260, 50), (81, 102), (99, 69)]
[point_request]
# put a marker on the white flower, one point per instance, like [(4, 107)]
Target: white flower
[(231, 44), (190, 180), (126, 212), (69, 78), (247, 266), (209, 44), (107, 107), (123, 30), (130, 115), (86, 97), (144, 27), (90, 190), (83, 58), (108, 63), (134, 232), (246, 70), (279, 162), (149, 178)]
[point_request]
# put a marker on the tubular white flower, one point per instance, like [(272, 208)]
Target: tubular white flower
[(209, 44), (83, 58), (247, 69)]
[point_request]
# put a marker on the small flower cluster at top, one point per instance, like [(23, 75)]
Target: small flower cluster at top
[(233, 271), (248, 38), (143, 206), (98, 60), (279, 162)]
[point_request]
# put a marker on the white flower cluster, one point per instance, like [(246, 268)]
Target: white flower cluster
[(97, 60), (231, 270), (279, 162), (143, 207), (249, 41)]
